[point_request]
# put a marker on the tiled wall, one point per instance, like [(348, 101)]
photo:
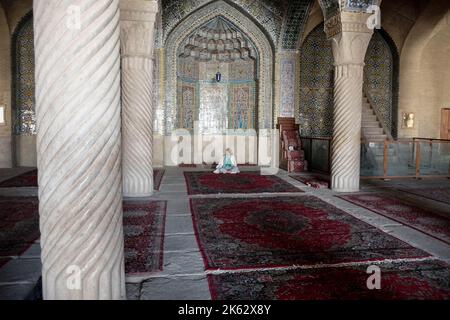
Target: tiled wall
[(229, 104), (317, 83), (24, 122)]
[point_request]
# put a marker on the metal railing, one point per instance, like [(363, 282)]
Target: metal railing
[(407, 158)]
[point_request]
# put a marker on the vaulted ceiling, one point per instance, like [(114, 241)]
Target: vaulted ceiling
[(281, 20)]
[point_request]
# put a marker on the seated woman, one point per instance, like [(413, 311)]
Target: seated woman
[(227, 164)]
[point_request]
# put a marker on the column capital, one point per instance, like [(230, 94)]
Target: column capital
[(346, 21), (137, 23), (138, 10), (350, 37)]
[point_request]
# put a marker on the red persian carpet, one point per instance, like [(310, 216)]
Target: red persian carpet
[(433, 224), (437, 194), (158, 175), (426, 280), (286, 231), (244, 182), (313, 181), (144, 224), (28, 179), (19, 226)]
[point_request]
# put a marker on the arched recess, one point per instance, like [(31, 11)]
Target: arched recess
[(253, 32), (317, 82), (23, 93), (381, 75)]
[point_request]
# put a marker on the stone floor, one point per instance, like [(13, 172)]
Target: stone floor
[(183, 275)]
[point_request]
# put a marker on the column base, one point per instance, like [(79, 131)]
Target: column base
[(346, 190), (345, 185), (138, 195)]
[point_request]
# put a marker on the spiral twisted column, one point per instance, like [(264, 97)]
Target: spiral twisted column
[(137, 34), (346, 146), (79, 148), (350, 38)]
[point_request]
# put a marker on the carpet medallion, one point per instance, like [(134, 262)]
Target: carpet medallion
[(144, 224), (286, 231), (27, 179), (19, 226), (244, 182), (433, 224), (425, 280)]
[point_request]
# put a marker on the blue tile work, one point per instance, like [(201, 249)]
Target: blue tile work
[(23, 78), (360, 5), (330, 7), (296, 17), (288, 85), (268, 13), (264, 63), (200, 98), (316, 82), (316, 85)]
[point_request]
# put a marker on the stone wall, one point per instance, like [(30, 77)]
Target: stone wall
[(424, 71)]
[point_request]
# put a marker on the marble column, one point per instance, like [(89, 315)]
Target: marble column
[(77, 50), (137, 38), (350, 38)]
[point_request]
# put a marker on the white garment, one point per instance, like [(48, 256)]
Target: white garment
[(221, 167)]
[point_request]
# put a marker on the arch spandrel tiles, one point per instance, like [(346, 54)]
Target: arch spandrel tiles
[(269, 13), (242, 22), (296, 17)]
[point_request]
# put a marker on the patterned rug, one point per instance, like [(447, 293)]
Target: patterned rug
[(19, 226), (427, 280), (158, 175), (28, 179), (312, 181), (428, 222), (437, 194), (144, 224), (274, 232), (244, 182)]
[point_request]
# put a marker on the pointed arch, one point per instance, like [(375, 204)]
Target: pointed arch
[(382, 55), (263, 45)]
